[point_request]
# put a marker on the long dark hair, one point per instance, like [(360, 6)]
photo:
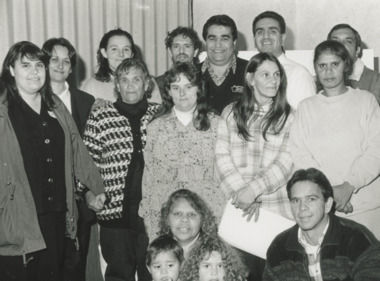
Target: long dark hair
[(244, 109), (104, 72), (19, 51), (193, 74)]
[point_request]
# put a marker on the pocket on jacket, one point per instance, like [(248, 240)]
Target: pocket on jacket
[(8, 234)]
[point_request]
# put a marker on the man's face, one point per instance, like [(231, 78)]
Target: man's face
[(268, 37), (182, 49), (220, 45), (309, 207), (347, 37)]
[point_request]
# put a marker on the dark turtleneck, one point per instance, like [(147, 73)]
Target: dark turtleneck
[(132, 190)]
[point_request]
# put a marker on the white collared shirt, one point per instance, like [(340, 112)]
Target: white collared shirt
[(358, 68), (65, 97), (313, 253), (301, 84)]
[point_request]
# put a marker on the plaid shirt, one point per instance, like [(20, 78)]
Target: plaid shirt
[(218, 80), (264, 166)]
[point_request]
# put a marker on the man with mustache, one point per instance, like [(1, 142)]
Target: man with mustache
[(183, 45), (269, 31)]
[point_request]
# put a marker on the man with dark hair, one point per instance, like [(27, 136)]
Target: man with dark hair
[(222, 69), (362, 77), (269, 31), (183, 45), (320, 246)]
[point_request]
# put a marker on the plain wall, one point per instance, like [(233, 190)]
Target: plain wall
[(308, 21)]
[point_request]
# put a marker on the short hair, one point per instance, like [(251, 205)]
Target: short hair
[(163, 243), (104, 72), (185, 32), (194, 75), (358, 40), (222, 20), (125, 66), (18, 51), (49, 45), (232, 262), (272, 15), (338, 49), (311, 175), (208, 220)]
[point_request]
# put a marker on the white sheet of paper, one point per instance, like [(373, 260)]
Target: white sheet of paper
[(252, 237)]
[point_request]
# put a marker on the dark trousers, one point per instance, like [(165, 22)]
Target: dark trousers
[(76, 250), (124, 251), (254, 264), (43, 265)]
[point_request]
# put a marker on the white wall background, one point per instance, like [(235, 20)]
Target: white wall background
[(308, 21)]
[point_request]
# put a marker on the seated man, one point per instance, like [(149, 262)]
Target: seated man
[(320, 246)]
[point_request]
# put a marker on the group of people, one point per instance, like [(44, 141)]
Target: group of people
[(143, 172)]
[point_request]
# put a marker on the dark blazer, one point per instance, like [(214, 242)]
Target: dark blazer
[(81, 103)]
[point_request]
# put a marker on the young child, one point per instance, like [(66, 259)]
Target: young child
[(213, 259), (164, 258)]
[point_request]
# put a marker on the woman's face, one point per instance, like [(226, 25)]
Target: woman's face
[(184, 221), (265, 81), (118, 48), (132, 85), (211, 268), (60, 64), (330, 71), (184, 94), (29, 74)]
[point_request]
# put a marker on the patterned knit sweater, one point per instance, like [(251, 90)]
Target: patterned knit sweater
[(108, 137)]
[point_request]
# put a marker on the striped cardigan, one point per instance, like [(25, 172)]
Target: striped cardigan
[(108, 137)]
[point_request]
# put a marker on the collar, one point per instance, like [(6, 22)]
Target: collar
[(232, 65), (357, 71), (184, 117), (282, 58), (65, 97), (332, 236), (303, 241), (187, 248)]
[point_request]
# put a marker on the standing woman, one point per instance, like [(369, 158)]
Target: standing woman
[(115, 46), (40, 153), (180, 144), (338, 132), (62, 59), (252, 152), (115, 136)]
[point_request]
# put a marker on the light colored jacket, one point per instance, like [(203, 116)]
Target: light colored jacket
[(20, 233)]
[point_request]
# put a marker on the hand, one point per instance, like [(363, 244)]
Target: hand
[(254, 209), (100, 103), (95, 203), (342, 196), (348, 208), (244, 198)]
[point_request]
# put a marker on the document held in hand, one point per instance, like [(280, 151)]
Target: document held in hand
[(250, 236)]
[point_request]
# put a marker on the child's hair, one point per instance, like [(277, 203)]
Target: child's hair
[(234, 268), (163, 243)]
